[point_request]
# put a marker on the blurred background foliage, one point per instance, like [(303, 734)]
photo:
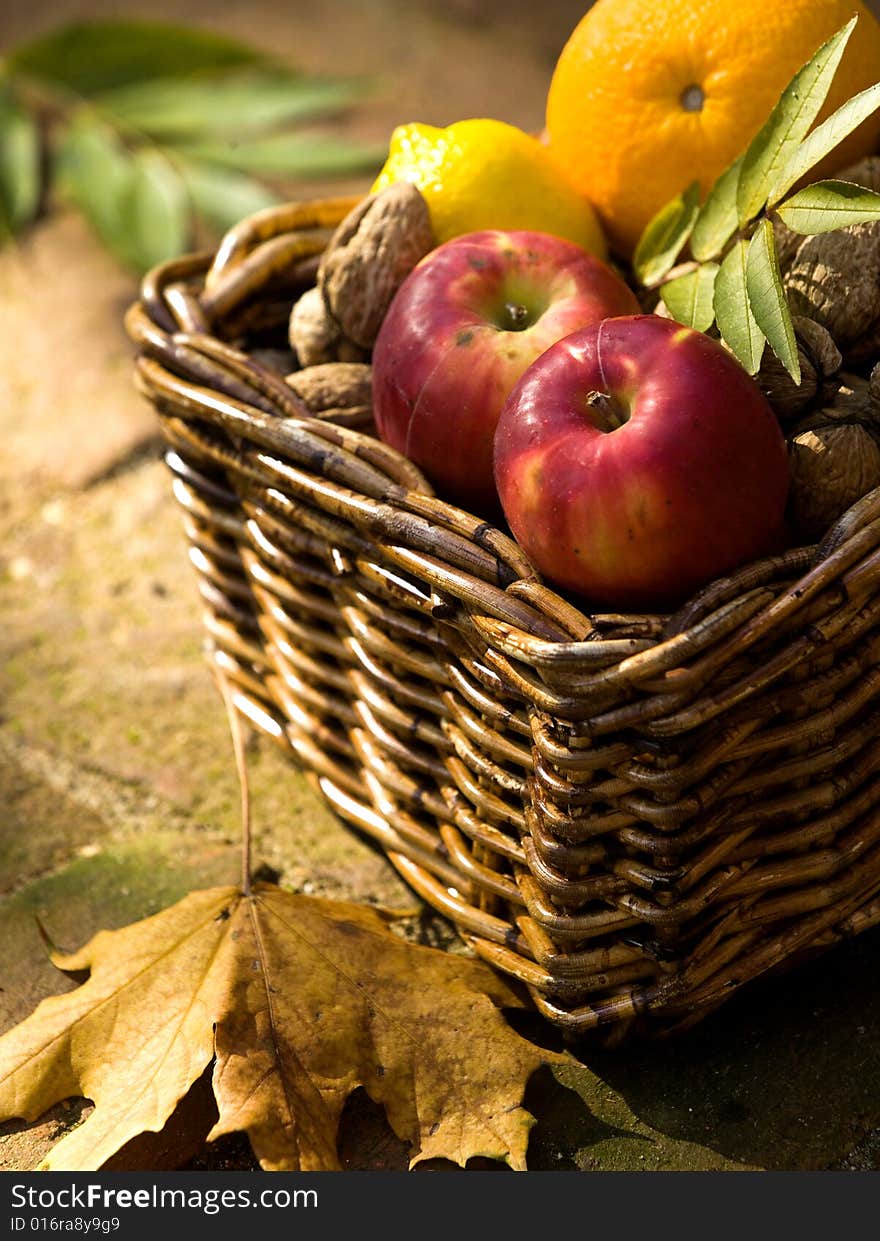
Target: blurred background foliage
[(162, 135)]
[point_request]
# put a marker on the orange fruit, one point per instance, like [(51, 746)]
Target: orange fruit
[(649, 95)]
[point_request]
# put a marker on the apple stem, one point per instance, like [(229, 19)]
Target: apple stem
[(517, 316), (606, 412)]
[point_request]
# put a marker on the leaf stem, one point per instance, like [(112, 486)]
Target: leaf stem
[(241, 768), (681, 269)]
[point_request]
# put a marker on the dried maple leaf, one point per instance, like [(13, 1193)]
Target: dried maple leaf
[(298, 1001)]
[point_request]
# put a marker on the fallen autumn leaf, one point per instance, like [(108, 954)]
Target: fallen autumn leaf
[(298, 1001)]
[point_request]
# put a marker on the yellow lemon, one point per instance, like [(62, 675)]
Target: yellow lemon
[(482, 174)]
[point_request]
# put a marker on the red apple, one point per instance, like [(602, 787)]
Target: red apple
[(461, 330), (636, 461)]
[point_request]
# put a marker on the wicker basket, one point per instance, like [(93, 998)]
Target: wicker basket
[(633, 815)]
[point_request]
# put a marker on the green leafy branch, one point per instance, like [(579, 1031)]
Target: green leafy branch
[(154, 131), (732, 278)]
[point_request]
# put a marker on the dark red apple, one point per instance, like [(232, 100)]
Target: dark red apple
[(461, 330), (636, 461)]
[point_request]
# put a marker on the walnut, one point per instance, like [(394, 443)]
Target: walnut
[(874, 384), (853, 400), (370, 255), (831, 468), (315, 337), (835, 279), (336, 391), (313, 334), (835, 457), (819, 359), (348, 351), (865, 351)]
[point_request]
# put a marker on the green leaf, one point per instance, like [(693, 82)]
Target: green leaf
[(734, 317), (767, 298), (787, 125), (94, 173), (690, 298), (828, 205), (718, 218), (19, 166), (665, 235), (155, 211), (290, 155), (173, 108), (221, 195), (136, 202), (87, 57), (825, 138)]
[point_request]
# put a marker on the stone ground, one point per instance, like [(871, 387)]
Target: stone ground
[(117, 783)]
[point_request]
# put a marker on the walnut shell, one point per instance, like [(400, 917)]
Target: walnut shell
[(853, 400), (831, 468), (874, 383), (819, 359), (835, 279), (315, 336), (865, 351), (370, 255), (835, 456), (348, 351), (337, 391)]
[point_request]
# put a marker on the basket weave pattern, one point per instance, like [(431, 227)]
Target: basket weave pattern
[(633, 815)]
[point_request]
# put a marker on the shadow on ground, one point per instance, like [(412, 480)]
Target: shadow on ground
[(785, 1076)]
